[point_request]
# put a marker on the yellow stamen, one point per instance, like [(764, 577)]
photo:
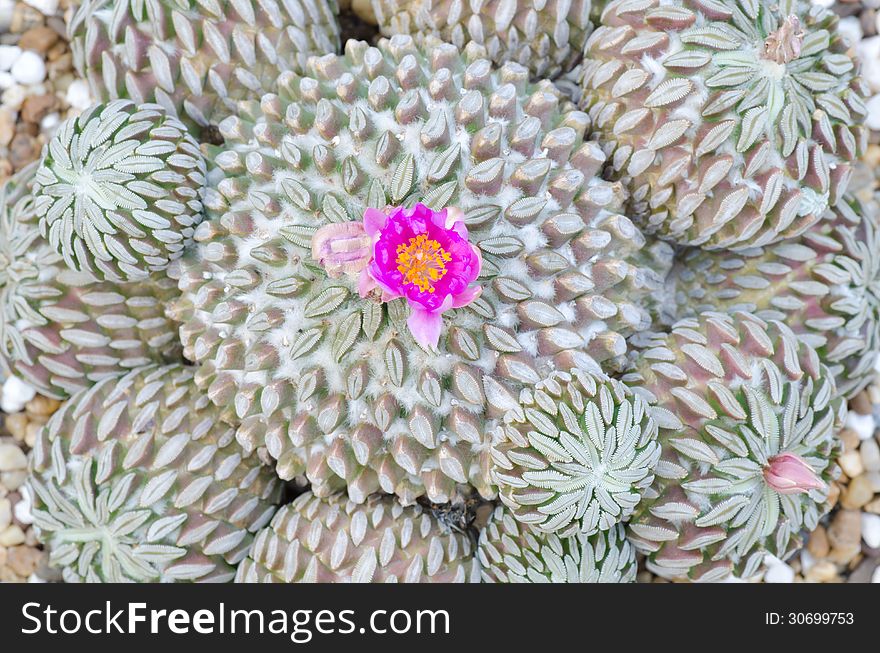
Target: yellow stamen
[(422, 262)]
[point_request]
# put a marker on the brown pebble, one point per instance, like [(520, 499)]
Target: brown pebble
[(873, 506), (41, 405), (858, 492), (821, 572), (39, 39), (23, 150), (63, 64), (36, 107), (818, 545), (833, 495), (861, 403), (7, 126), (845, 535), (23, 560), (24, 18), (16, 424), (850, 439)]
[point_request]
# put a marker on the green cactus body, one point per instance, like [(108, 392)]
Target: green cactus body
[(196, 58), (118, 192), (577, 455), (331, 540), (333, 385), (731, 392), (62, 330), (733, 122), (512, 552), (139, 479), (546, 37)]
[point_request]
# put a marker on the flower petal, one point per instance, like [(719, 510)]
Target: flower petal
[(425, 327), (466, 297), (366, 283), (374, 221)]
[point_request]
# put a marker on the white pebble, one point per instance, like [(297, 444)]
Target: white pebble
[(868, 51), (871, 530), (11, 458), (15, 394), (13, 97), (29, 68), (863, 425), (45, 7), (778, 571), (869, 450), (876, 577), (78, 95), (850, 29), (873, 118), (6, 81), (8, 55), (807, 561), (7, 8), (33, 578), (49, 123), (22, 509)]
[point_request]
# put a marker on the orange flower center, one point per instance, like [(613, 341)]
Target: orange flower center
[(422, 262)]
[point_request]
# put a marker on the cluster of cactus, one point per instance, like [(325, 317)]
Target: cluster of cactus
[(521, 292)]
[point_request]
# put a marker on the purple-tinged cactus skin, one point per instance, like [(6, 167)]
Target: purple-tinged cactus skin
[(511, 552), (61, 329), (734, 397), (546, 36), (138, 479), (333, 540), (825, 285), (734, 123), (333, 385), (196, 58)]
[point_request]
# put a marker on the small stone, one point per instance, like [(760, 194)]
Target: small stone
[(8, 55), (13, 97), (7, 126), (870, 454), (11, 458), (23, 560), (38, 39), (818, 543), (30, 434), (845, 534), (871, 530), (16, 424), (41, 405), (2, 557), (49, 123), (862, 573), (23, 149), (11, 536), (29, 68), (5, 513), (36, 107), (45, 7), (13, 480), (78, 95), (821, 572), (850, 29), (15, 394), (850, 439), (833, 495), (863, 425), (876, 577), (778, 571), (851, 463), (873, 507), (22, 508), (6, 81), (858, 492), (861, 403)]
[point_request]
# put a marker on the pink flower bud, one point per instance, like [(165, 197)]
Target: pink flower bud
[(342, 248), (790, 474)]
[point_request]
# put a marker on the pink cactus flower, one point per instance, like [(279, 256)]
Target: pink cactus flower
[(425, 257), (342, 248), (788, 473)]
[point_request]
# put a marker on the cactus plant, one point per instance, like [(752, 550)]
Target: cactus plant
[(196, 58), (512, 552), (388, 375), (747, 418), (61, 329), (734, 122), (118, 192), (576, 454), (315, 540), (825, 285), (546, 37), (138, 479)]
